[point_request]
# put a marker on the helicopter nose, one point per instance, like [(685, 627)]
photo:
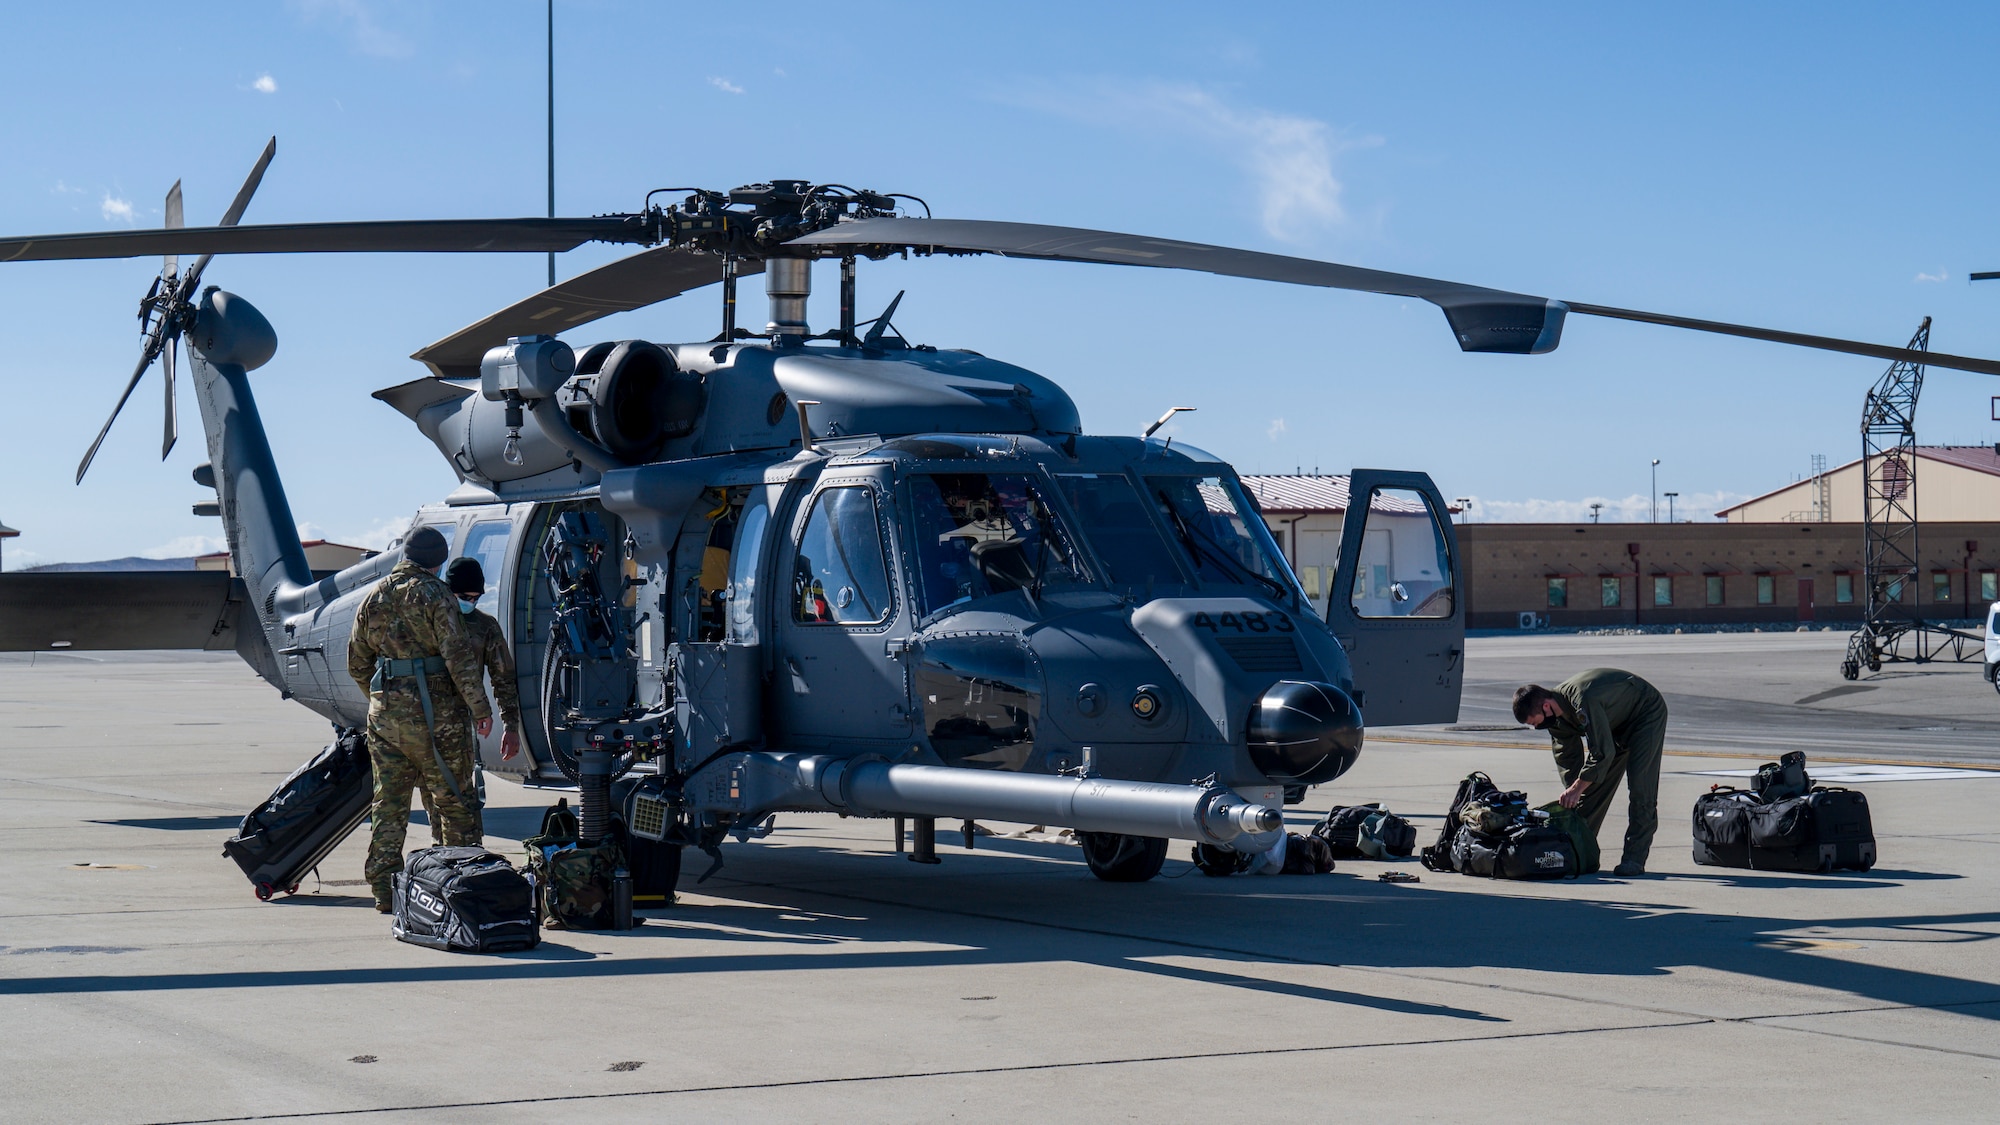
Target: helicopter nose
[(1304, 732)]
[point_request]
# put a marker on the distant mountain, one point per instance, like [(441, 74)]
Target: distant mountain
[(117, 564)]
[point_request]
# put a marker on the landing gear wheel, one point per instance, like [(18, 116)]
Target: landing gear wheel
[(264, 892), (1218, 862), (1118, 858)]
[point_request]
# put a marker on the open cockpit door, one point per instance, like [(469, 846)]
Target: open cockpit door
[(1397, 601)]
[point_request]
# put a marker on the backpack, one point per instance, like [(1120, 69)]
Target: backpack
[(466, 900), (1342, 829), (1386, 835), (573, 881), (1439, 856), (1783, 779), (1492, 811)]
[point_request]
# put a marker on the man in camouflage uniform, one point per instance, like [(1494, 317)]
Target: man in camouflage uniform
[(468, 583), (1605, 724), (410, 652)]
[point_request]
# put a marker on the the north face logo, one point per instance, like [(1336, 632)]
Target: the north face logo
[(1549, 860)]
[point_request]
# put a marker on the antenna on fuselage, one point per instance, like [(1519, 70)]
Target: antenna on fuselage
[(1165, 418)]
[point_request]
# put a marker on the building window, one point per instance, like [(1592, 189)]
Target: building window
[(1663, 589), (1893, 592), (1714, 584), (1940, 586), (1558, 593), (1843, 589), (1609, 592), (1989, 588), (1767, 589)]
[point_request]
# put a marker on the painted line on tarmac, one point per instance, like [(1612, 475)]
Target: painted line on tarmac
[(1746, 754), (964, 1072)]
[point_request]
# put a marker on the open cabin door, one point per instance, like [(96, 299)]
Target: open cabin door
[(1397, 601)]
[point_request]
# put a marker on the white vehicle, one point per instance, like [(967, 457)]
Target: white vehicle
[(1993, 644)]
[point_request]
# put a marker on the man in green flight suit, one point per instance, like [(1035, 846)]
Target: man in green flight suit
[(1604, 724), (468, 583), (411, 653)]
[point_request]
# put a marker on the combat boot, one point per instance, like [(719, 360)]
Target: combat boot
[(385, 895)]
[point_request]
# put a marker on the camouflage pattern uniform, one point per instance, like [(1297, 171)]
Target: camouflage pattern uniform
[(484, 632), (410, 615)]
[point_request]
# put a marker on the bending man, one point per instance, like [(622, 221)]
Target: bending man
[(411, 653), (1604, 724)]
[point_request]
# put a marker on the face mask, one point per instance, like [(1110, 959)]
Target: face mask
[(467, 606)]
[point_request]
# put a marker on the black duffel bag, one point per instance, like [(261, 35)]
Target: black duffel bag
[(1824, 830), (1446, 854), (1535, 850), (1722, 827), (467, 900), (1472, 852), (1342, 829)]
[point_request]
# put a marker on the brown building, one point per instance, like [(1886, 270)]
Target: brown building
[(1543, 574)]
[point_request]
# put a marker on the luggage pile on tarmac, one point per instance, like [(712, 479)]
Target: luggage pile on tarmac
[(1784, 822), (1492, 832)]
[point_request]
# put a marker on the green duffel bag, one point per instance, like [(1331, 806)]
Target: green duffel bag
[(1572, 822), (572, 881)]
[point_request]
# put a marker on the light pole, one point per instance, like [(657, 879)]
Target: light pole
[(1593, 511), (1655, 517), (1464, 505), (1670, 504)]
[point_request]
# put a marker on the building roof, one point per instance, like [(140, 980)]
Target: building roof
[(1294, 492), (308, 544), (1979, 458), (7, 532)]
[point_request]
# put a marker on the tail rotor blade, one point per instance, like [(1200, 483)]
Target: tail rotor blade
[(236, 208), (173, 431), (145, 361)]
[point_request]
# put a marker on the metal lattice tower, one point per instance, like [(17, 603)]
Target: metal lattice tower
[(1890, 558)]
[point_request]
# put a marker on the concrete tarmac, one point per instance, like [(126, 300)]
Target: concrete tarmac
[(820, 977)]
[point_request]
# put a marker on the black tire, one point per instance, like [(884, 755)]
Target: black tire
[(1850, 670), (1117, 858)]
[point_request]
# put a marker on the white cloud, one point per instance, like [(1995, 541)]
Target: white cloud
[(725, 85), (358, 19), (1636, 508), (116, 208), (1289, 158), (1276, 429), (1938, 276), (63, 188), (186, 546), (265, 84), (376, 537)]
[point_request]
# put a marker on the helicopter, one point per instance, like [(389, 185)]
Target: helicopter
[(796, 572)]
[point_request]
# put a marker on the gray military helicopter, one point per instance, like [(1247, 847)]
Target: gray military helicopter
[(781, 571)]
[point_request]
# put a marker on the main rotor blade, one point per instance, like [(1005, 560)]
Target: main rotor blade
[(1800, 339), (632, 282), (1483, 319), (229, 219), (172, 262), (146, 357), (402, 236), (1496, 318), (173, 430)]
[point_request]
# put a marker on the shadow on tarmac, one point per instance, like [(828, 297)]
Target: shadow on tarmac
[(807, 907)]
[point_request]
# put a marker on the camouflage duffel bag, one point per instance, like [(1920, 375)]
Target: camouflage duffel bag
[(572, 881)]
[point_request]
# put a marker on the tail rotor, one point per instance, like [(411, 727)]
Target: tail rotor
[(167, 311)]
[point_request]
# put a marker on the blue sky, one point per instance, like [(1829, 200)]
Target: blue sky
[(1826, 168)]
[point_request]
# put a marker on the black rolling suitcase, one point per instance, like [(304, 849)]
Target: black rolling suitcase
[(1825, 830), (466, 900), (307, 817)]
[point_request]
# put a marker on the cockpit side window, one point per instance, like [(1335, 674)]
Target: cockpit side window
[(751, 524), (987, 533), (1226, 540), (487, 542), (841, 576), (1126, 539)]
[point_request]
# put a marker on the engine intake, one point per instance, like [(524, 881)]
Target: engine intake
[(632, 398)]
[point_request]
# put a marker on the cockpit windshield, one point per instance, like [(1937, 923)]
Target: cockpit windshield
[(987, 533), (1126, 538), (1226, 540)]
